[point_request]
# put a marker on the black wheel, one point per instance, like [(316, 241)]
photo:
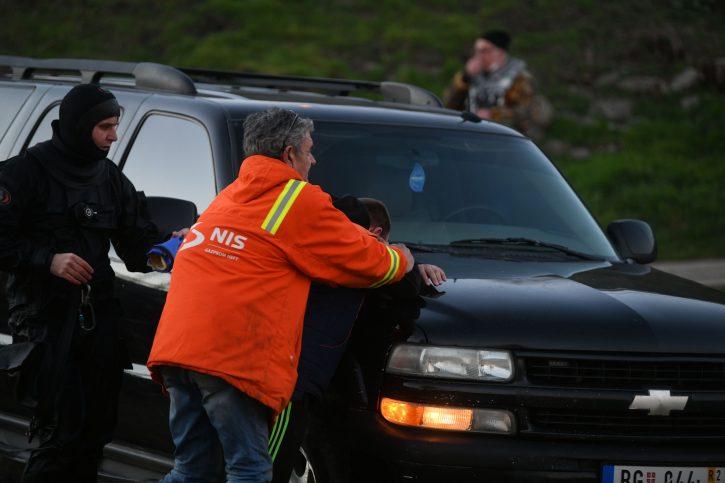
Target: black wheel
[(323, 457), (303, 470)]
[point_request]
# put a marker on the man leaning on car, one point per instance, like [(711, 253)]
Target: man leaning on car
[(228, 341)]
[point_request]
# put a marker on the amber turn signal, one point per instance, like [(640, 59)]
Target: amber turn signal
[(437, 417), (449, 418)]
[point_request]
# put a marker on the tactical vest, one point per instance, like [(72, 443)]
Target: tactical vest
[(74, 218)]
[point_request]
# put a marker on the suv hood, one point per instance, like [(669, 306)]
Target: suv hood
[(580, 306)]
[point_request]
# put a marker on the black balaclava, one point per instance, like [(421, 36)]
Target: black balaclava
[(81, 109)]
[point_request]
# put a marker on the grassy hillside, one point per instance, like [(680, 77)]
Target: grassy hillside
[(662, 160)]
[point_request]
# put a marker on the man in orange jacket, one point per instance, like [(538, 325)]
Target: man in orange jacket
[(228, 341)]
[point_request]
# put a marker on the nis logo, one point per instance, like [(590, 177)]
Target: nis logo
[(218, 235), (228, 238)]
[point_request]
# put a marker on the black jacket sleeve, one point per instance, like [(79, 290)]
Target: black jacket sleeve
[(19, 251), (398, 301), (137, 233), (409, 287)]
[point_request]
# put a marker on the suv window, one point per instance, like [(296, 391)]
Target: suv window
[(43, 131), (11, 101), (447, 185), (171, 156)]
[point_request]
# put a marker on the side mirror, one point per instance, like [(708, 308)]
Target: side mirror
[(633, 239), (171, 214)]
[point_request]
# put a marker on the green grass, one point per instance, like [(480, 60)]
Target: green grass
[(423, 41), (667, 167), (669, 172)]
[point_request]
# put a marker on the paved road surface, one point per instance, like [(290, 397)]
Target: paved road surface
[(707, 272)]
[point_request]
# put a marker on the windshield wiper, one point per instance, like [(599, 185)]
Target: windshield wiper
[(529, 242)]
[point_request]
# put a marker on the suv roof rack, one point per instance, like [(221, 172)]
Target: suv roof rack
[(391, 91), (148, 75), (160, 77)]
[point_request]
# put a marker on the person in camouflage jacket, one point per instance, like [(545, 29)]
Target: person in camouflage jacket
[(498, 87)]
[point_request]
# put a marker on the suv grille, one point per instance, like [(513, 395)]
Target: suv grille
[(621, 423), (625, 374)]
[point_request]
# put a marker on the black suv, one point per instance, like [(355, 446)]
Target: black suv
[(553, 351)]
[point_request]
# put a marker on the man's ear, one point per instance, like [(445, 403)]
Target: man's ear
[(287, 155), (376, 231)]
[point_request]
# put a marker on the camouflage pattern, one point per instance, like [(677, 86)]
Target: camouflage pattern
[(518, 106)]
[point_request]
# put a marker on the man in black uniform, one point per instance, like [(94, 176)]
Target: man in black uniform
[(61, 205)]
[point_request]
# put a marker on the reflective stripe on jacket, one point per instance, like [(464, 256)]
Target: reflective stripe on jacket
[(240, 281)]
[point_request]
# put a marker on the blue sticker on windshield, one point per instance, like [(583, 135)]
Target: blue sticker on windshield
[(417, 178)]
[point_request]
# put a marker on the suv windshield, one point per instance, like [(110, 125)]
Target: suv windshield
[(443, 186)]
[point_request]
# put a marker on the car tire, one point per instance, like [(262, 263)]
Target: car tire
[(323, 456), (305, 469)]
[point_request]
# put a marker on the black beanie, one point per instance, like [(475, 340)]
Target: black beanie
[(499, 38), (81, 109)]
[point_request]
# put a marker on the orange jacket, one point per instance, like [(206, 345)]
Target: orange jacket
[(240, 281)]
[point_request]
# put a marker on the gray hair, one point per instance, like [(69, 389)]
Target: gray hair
[(266, 131)]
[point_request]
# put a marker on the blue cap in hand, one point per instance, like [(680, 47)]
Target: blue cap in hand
[(161, 256)]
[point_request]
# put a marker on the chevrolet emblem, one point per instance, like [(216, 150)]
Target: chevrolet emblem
[(659, 402)]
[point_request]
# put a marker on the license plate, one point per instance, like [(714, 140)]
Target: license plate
[(661, 474)]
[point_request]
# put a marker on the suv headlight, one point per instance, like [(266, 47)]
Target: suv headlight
[(451, 363)]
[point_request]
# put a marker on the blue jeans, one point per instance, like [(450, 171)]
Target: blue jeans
[(208, 418)]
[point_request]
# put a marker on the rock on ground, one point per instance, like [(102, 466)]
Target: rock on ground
[(580, 152), (607, 79), (617, 110), (556, 147), (689, 102), (643, 85), (687, 79)]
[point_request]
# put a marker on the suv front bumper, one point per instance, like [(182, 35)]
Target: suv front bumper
[(411, 454)]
